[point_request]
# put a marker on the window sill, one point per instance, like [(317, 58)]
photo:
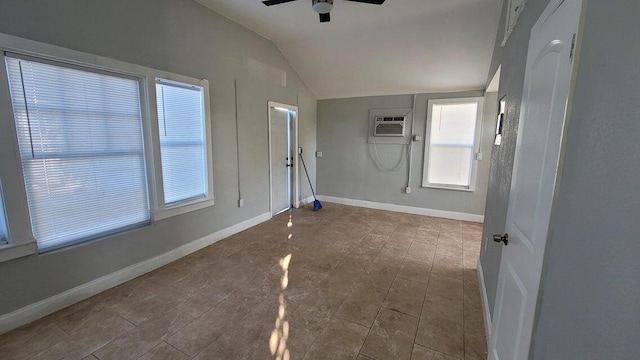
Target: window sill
[(14, 251), (443, 187), (182, 209)]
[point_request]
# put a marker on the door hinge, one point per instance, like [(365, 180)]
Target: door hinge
[(573, 47)]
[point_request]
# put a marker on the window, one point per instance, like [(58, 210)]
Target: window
[(4, 234), (183, 149), (452, 125), (80, 138)]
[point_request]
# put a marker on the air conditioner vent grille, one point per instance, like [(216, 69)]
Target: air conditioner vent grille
[(389, 126)]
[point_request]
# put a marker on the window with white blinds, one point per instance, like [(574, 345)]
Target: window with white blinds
[(451, 132), (183, 150), (4, 234), (81, 145)]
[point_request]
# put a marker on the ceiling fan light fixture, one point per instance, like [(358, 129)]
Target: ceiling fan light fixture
[(322, 6)]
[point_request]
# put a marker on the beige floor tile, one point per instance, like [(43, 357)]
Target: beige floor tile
[(473, 321), (197, 335), (427, 236), (379, 277), (441, 329), (362, 305), (450, 266), (449, 246), (343, 278), (423, 353), (349, 267), (415, 270), (391, 336), (470, 260), (145, 337), (363, 357), (446, 291), (164, 352), (421, 251), (30, 340), (475, 347), (341, 339), (406, 296), (472, 297)]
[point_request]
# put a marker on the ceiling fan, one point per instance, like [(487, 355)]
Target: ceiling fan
[(322, 7)]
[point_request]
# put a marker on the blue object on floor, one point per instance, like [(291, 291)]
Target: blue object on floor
[(316, 203)]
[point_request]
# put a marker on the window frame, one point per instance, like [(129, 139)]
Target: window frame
[(162, 210), (476, 142), (21, 241)]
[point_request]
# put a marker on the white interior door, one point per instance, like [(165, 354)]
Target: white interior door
[(281, 158), (544, 102)]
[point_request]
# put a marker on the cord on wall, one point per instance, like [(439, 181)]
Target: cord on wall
[(407, 190), (378, 162), (235, 89)]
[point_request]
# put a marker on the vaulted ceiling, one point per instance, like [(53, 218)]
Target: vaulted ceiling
[(400, 47)]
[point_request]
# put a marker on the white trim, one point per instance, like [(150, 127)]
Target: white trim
[(477, 141), (404, 209), (57, 302), (182, 209), (485, 303), (14, 251), (294, 153)]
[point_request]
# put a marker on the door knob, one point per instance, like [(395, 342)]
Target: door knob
[(501, 238)]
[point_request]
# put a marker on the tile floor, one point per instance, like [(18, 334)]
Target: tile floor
[(341, 283)]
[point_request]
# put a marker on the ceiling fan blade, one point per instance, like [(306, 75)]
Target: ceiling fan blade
[(325, 17), (276, 2), (374, 2)]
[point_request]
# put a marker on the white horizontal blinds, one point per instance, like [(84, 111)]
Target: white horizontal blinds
[(451, 144), (4, 236), (181, 124), (81, 145)]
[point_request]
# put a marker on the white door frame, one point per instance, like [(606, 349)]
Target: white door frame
[(296, 172)]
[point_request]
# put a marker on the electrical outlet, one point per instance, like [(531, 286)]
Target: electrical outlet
[(407, 190), (300, 150), (241, 203), (318, 154)]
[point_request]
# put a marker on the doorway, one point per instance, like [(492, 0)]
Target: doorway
[(283, 159)]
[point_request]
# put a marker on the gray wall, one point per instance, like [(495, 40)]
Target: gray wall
[(183, 37), (347, 168), (590, 307), (513, 58)]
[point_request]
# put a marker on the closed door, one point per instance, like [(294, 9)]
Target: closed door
[(538, 149), (281, 157)]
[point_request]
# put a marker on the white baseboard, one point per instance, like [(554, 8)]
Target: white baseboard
[(404, 209), (305, 201), (57, 302), (485, 303)]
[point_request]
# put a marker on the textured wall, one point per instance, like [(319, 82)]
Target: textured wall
[(347, 168), (178, 36), (589, 307)]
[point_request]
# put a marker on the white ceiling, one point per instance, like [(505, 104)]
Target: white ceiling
[(400, 47)]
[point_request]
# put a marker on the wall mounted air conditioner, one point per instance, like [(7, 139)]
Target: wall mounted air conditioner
[(389, 126)]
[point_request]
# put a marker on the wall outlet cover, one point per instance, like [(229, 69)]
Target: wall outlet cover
[(318, 154)]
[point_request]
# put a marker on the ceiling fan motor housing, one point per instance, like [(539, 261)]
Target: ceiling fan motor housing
[(322, 6)]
